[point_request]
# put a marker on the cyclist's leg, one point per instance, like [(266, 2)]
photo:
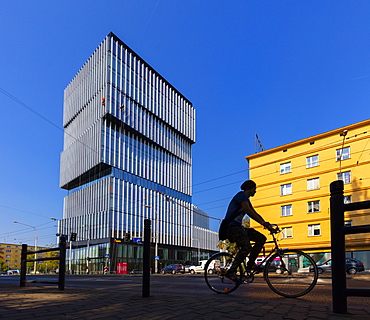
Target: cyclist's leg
[(259, 240), (240, 237)]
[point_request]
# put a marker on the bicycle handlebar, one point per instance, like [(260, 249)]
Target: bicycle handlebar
[(275, 228)]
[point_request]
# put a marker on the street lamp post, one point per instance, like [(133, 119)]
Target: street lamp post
[(57, 234), (156, 240), (36, 240), (88, 247), (198, 247)]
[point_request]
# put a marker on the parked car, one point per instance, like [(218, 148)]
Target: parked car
[(187, 268), (198, 268), (352, 266), (13, 272), (173, 268), (275, 266), (136, 271)]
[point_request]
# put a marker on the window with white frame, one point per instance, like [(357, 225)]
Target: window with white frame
[(286, 189), (347, 199), (345, 176), (312, 161), (314, 230), (313, 206), (343, 154), (287, 233), (313, 184), (285, 168), (286, 210)]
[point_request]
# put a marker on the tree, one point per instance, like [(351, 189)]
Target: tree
[(49, 265), (3, 265), (246, 223)]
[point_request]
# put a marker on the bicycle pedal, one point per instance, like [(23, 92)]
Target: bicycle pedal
[(248, 278)]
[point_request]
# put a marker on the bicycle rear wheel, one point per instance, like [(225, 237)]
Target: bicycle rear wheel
[(291, 273), (215, 270)]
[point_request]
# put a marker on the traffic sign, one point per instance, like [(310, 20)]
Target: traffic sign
[(156, 257), (107, 256)]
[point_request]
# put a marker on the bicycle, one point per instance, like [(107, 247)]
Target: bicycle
[(288, 272)]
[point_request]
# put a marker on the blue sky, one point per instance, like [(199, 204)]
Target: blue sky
[(285, 70)]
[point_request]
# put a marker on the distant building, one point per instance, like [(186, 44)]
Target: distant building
[(293, 188), (128, 157), (10, 256)]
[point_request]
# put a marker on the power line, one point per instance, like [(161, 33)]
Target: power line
[(20, 210), (26, 230), (3, 91), (271, 173), (353, 154), (228, 175), (9, 95), (218, 200), (76, 139), (304, 165), (224, 185)]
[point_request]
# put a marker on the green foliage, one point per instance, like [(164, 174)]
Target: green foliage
[(246, 223), (29, 266), (45, 266), (231, 246), (3, 265), (49, 265), (228, 246)]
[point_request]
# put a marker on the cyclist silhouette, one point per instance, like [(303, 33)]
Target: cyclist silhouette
[(240, 206)]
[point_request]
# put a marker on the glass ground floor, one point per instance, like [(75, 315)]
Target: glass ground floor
[(124, 257), (118, 256), (363, 256)]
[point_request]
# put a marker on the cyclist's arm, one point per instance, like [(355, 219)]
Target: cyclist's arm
[(249, 210)]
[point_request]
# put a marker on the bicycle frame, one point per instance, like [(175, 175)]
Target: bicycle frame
[(295, 276), (274, 250)]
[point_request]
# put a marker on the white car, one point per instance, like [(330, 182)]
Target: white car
[(199, 268)]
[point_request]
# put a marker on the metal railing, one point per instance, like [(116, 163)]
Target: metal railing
[(340, 292), (61, 258)]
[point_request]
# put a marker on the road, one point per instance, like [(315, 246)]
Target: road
[(194, 285)]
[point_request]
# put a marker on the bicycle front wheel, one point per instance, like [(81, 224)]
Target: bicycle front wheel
[(215, 270), (291, 273)]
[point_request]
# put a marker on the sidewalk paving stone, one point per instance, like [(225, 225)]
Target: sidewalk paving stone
[(46, 303)]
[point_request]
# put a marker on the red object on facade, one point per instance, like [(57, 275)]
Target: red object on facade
[(121, 268)]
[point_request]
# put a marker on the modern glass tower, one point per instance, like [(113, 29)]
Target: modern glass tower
[(128, 136)]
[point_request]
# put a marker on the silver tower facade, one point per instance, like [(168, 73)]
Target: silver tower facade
[(128, 157)]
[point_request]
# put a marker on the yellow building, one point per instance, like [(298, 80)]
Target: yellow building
[(10, 256), (293, 187)]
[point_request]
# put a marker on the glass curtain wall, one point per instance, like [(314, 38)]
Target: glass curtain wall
[(128, 157)]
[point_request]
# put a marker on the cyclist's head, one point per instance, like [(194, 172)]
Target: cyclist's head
[(248, 185)]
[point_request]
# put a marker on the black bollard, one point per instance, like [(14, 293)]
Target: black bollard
[(146, 259), (338, 254), (23, 265), (62, 263)]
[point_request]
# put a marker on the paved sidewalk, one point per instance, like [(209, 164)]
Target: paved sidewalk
[(46, 302)]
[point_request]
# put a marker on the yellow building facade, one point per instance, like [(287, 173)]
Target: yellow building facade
[(293, 187), (10, 256)]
